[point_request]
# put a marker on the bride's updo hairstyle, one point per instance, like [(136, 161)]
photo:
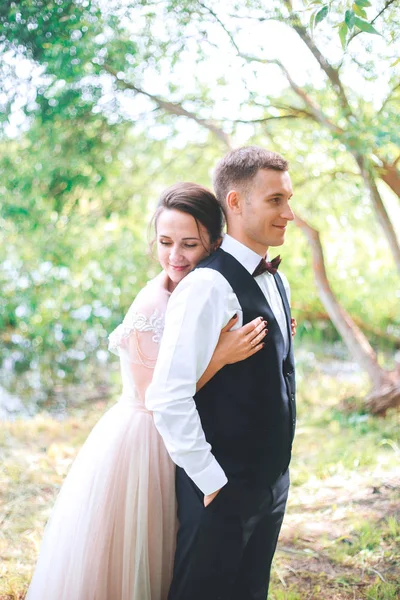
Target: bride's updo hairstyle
[(197, 201)]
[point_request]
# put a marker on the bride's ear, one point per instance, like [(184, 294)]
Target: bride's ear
[(216, 244)]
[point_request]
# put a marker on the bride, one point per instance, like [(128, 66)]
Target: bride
[(111, 535)]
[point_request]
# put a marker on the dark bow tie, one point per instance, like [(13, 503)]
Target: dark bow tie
[(264, 265)]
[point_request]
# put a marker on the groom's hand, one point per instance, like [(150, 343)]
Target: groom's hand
[(208, 498)]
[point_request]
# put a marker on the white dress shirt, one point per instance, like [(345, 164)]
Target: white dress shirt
[(201, 305)]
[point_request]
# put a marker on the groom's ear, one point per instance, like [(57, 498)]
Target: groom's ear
[(234, 202)]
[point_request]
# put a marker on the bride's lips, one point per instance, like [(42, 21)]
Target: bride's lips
[(179, 268)]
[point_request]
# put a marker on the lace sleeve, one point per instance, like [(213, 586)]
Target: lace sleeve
[(143, 330), (137, 340), (140, 332)]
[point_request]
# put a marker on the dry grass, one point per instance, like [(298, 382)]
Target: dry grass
[(341, 536)]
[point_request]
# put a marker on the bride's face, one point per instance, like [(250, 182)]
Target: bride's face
[(181, 243)]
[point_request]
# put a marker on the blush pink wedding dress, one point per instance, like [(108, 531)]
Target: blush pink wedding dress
[(111, 535)]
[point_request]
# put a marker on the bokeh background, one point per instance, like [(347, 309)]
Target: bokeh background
[(104, 104)]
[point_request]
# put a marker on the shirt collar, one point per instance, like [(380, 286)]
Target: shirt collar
[(247, 257)]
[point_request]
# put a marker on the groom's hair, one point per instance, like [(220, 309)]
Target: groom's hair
[(239, 167)]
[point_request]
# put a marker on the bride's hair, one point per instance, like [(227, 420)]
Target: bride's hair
[(195, 200)]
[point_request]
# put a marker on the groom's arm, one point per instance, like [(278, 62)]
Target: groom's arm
[(197, 311)]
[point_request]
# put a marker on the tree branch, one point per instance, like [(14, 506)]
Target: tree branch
[(388, 3), (173, 108), (316, 113), (388, 98), (353, 337), (329, 174), (356, 33), (250, 121), (216, 17), (331, 72)]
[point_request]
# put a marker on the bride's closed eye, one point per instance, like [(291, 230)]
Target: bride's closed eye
[(185, 245)]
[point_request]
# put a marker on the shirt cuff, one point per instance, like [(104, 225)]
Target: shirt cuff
[(211, 479)]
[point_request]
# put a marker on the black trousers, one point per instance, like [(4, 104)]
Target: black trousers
[(225, 551)]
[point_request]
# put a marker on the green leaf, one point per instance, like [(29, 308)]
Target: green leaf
[(312, 23), (365, 26), (396, 62), (359, 11), (349, 18), (321, 14), (363, 3), (343, 29)]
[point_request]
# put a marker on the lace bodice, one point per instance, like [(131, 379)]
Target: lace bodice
[(140, 322), (136, 340)]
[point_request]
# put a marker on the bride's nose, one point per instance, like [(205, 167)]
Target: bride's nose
[(176, 252)]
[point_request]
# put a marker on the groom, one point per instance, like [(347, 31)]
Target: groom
[(232, 440)]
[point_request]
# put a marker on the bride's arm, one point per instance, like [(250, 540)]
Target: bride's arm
[(137, 340), (234, 346), (143, 351)]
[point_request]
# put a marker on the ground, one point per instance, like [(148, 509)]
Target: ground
[(341, 535)]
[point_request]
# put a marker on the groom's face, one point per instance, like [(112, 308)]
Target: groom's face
[(265, 209)]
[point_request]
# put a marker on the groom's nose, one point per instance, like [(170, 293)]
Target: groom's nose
[(287, 213)]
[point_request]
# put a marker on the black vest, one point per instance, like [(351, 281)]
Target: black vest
[(248, 409)]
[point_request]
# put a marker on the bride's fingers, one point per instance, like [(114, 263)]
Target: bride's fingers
[(259, 328), (258, 338), (256, 348), (250, 328), (229, 324), (294, 327)]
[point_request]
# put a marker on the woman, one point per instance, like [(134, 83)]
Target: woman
[(112, 532)]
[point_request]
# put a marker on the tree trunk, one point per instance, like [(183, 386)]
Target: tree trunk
[(380, 210), (391, 176), (385, 385)]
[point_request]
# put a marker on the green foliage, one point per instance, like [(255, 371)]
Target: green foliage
[(86, 213), (364, 25), (80, 176), (320, 10)]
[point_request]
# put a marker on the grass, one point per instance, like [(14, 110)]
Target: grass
[(341, 536)]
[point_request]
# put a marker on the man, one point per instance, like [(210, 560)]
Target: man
[(232, 440)]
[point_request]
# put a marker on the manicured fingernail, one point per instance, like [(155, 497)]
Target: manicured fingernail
[(234, 317)]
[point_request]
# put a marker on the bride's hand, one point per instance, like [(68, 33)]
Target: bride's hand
[(237, 345), (293, 327)]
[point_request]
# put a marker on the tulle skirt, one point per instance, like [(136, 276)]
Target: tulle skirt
[(111, 535)]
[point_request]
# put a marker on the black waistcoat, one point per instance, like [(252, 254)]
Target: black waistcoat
[(248, 409)]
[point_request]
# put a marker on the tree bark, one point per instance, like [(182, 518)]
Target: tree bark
[(353, 337), (391, 176), (385, 391), (380, 210)]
